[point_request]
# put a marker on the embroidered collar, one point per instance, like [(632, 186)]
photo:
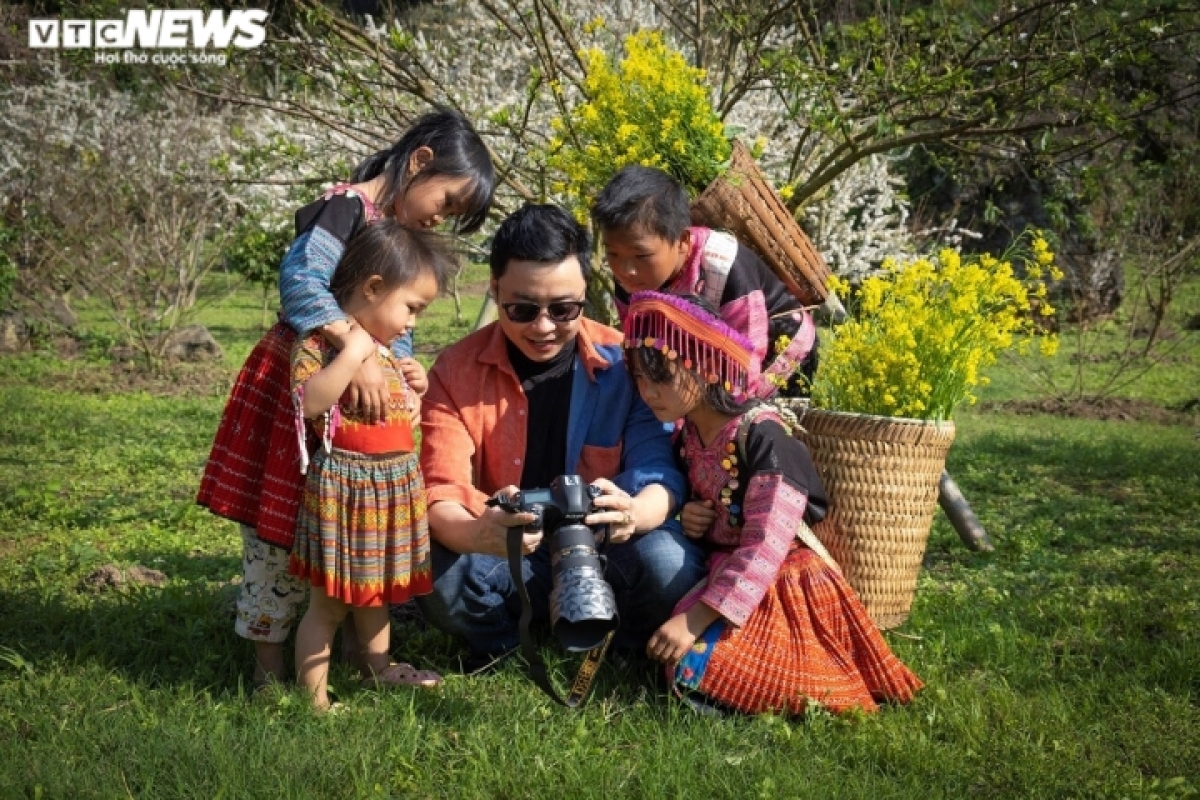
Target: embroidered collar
[(722, 450), (372, 213)]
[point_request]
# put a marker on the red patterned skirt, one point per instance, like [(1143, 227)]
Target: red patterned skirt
[(810, 639), (253, 471), (362, 533)]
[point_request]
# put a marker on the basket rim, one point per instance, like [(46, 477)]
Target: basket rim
[(936, 423)]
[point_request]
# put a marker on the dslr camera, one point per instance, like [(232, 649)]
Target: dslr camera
[(583, 608)]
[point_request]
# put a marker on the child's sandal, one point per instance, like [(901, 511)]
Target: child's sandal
[(400, 674)]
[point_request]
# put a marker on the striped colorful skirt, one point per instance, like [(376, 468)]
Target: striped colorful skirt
[(253, 471), (361, 533), (809, 640)]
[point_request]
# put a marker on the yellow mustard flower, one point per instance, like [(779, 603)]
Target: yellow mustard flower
[(651, 103), (923, 330)]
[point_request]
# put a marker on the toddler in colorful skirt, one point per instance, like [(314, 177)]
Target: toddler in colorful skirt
[(362, 538), (774, 627)]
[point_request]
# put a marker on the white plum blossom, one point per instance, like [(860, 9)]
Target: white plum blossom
[(861, 218), (486, 71), (474, 61)]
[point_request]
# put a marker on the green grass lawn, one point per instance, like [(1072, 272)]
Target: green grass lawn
[(1064, 664)]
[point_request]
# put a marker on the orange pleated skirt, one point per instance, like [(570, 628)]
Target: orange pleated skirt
[(810, 640)]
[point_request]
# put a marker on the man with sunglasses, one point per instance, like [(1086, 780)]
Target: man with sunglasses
[(539, 393)]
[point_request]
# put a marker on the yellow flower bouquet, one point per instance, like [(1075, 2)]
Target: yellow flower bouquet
[(921, 332), (651, 108)]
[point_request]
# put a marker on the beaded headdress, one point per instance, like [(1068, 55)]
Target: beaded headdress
[(698, 340)]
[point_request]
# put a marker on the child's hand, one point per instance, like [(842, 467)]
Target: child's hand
[(677, 635), (357, 342), (368, 390), (672, 641), (414, 375), (697, 517)]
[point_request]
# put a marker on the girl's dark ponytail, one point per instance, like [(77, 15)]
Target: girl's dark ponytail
[(371, 167), (457, 152)]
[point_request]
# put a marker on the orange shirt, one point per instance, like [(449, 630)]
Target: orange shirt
[(474, 421)]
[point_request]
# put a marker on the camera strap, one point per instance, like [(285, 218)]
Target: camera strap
[(537, 667)]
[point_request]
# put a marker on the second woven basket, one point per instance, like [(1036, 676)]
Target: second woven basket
[(881, 475), (743, 202)]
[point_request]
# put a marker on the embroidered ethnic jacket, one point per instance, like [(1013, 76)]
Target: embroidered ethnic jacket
[(324, 228)]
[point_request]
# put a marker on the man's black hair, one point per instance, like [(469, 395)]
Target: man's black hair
[(545, 234)]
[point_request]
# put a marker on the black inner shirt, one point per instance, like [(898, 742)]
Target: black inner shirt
[(547, 386)]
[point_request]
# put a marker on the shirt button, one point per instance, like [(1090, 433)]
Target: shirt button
[(517, 461), (521, 413)]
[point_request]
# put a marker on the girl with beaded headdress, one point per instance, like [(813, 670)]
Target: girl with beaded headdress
[(774, 627)]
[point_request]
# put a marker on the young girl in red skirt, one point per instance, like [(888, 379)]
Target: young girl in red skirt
[(774, 627), (439, 169), (362, 539)]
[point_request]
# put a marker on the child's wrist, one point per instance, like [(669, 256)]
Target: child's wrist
[(339, 327), (335, 332), (699, 617)]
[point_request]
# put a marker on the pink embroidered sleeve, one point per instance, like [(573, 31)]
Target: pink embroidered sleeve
[(739, 581), (748, 315)]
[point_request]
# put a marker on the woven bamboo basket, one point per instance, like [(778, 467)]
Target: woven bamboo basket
[(881, 475), (743, 202)]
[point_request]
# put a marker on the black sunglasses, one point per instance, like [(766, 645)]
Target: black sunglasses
[(558, 311)]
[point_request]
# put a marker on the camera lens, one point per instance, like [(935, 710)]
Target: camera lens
[(583, 608)]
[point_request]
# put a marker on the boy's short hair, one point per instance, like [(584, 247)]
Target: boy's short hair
[(644, 198), (542, 233)]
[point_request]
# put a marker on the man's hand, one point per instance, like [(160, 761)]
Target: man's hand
[(491, 536), (617, 509)]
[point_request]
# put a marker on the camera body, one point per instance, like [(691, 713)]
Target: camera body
[(583, 608)]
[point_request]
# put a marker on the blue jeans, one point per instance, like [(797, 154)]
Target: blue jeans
[(474, 597)]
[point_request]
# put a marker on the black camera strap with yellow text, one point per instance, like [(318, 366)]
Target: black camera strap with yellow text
[(537, 666)]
